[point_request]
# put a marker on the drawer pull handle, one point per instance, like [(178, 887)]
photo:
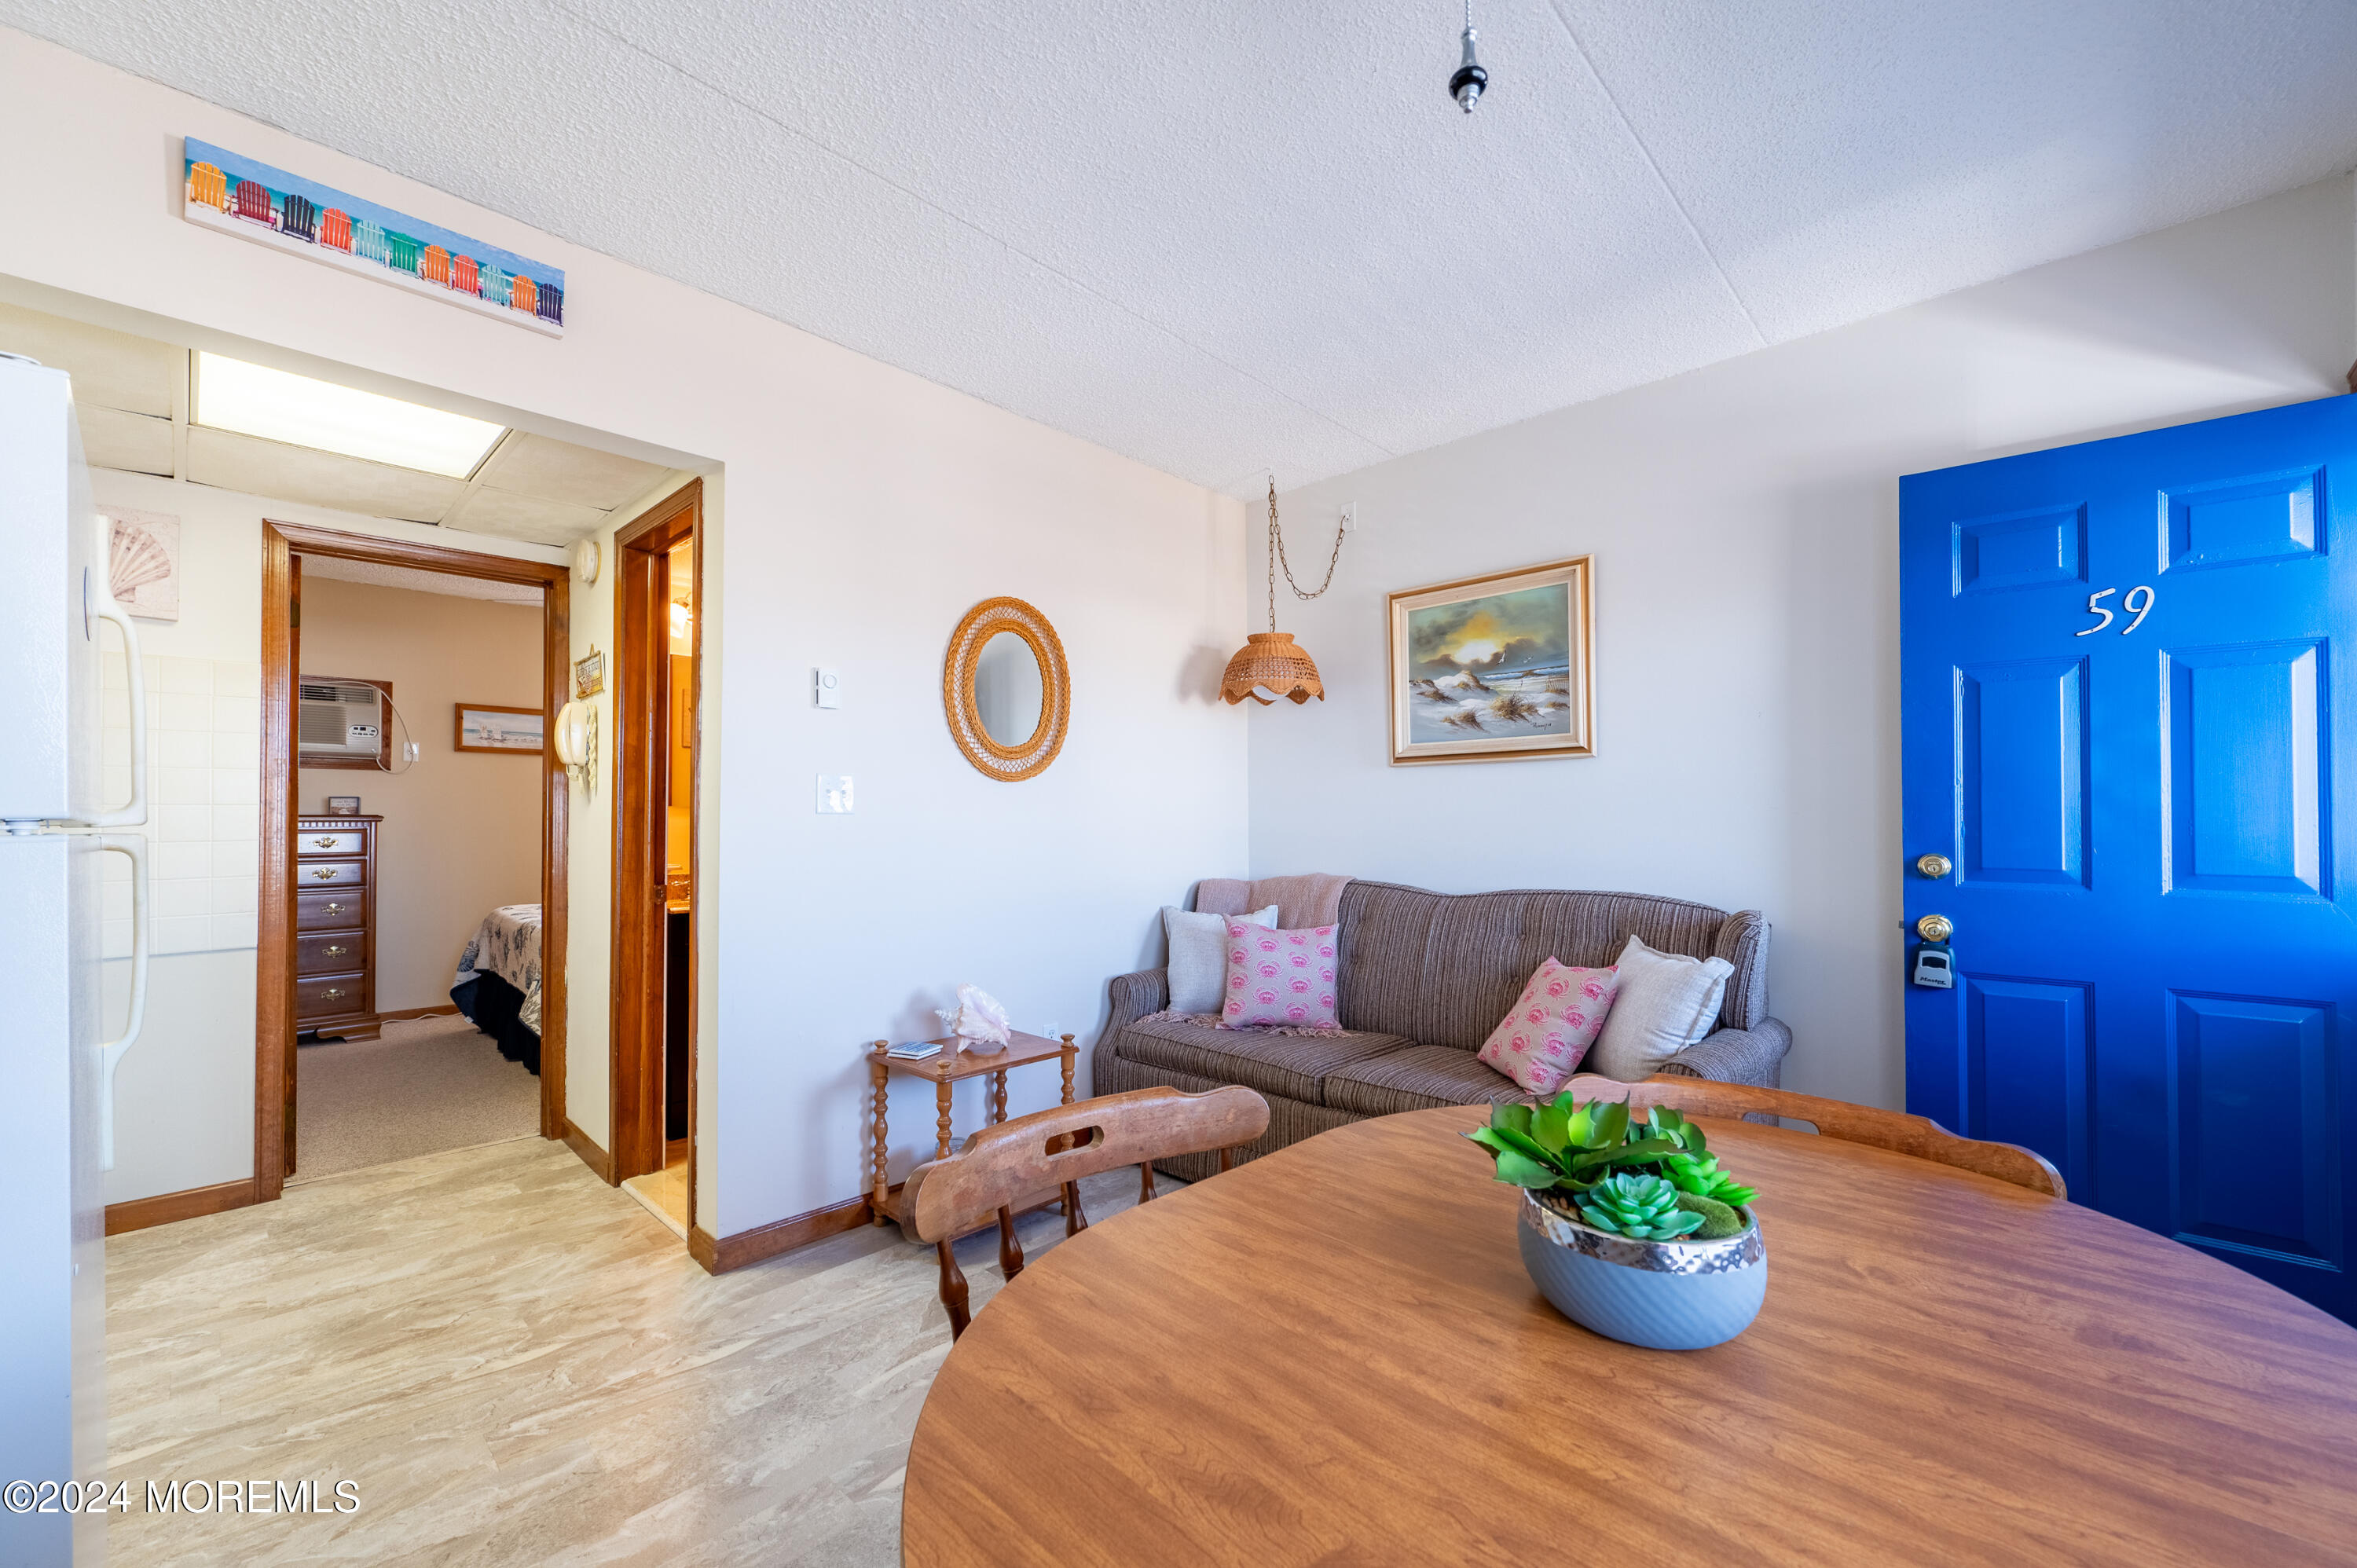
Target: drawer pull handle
[(334, 908), (331, 991), (325, 874), (325, 844), (337, 952)]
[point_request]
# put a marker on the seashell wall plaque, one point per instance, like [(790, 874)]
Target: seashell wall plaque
[(143, 561)]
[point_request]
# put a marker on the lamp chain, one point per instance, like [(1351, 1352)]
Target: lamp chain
[(1277, 559)]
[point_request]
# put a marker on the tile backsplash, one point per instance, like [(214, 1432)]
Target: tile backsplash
[(204, 784)]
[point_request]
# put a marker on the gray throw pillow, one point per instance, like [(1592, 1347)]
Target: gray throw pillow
[(1199, 955), (1665, 1003)]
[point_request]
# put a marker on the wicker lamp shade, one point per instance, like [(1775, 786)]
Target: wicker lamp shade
[(1271, 660)]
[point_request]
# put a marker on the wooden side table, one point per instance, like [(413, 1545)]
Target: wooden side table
[(954, 1063)]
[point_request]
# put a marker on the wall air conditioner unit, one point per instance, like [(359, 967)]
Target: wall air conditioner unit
[(339, 721)]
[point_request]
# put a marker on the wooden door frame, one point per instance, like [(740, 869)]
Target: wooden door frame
[(273, 1030), (641, 695)]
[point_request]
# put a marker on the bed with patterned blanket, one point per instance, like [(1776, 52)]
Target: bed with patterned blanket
[(499, 980)]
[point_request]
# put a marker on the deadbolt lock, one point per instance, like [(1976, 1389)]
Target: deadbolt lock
[(1935, 866), (1934, 927)]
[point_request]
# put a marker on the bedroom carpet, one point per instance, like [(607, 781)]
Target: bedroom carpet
[(429, 1084)]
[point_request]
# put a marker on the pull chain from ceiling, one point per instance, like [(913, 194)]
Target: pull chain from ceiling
[(1277, 560)]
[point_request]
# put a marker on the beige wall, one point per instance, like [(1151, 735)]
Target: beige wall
[(461, 832)]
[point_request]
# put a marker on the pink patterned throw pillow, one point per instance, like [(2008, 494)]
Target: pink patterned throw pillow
[(1279, 979), (1546, 1032)]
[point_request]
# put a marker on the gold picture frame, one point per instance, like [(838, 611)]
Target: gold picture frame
[(1500, 667), (588, 674)]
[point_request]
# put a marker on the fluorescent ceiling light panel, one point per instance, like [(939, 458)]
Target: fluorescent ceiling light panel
[(276, 405)]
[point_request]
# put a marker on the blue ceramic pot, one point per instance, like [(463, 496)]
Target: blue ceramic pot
[(1665, 1295)]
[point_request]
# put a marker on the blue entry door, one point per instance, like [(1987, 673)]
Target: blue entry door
[(2124, 700)]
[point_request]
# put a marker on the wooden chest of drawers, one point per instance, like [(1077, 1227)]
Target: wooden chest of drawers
[(335, 925)]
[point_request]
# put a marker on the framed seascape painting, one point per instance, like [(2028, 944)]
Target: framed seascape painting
[(1492, 669), (484, 727)]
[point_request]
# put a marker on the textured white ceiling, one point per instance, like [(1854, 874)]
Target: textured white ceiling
[(1219, 236)]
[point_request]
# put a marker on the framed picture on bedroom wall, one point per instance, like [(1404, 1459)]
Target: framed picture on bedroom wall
[(1496, 669), (484, 727)]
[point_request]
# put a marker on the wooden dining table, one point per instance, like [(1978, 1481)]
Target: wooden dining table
[(1333, 1355)]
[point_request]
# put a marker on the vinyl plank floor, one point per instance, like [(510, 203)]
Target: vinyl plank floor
[(516, 1364)]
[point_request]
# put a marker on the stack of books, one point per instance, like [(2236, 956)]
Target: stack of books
[(913, 1050)]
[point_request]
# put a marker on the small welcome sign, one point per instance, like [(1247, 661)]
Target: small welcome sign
[(271, 207)]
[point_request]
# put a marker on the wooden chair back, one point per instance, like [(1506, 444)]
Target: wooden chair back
[(1896, 1131), (1006, 1166)]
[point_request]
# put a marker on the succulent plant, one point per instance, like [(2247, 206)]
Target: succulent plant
[(1643, 1208), (1695, 1169), (1564, 1143), (1579, 1148), (1701, 1177)]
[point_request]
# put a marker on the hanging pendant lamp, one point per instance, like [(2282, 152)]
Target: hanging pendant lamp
[(1271, 664), (1271, 661)]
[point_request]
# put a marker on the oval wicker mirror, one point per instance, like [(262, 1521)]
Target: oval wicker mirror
[(1006, 690)]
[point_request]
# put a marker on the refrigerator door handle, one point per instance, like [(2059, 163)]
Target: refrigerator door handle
[(111, 1053), (99, 603)]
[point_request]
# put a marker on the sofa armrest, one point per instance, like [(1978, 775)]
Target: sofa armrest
[(1137, 995), (1754, 1055)]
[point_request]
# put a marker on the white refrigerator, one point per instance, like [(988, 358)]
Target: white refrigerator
[(56, 1116)]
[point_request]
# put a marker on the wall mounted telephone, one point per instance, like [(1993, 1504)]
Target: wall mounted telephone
[(573, 722), (576, 744)]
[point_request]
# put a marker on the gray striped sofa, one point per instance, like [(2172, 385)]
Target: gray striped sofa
[(1425, 979)]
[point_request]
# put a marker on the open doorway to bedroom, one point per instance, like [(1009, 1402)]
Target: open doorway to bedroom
[(426, 852), (419, 862), (332, 484)]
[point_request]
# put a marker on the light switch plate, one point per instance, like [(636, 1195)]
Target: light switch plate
[(834, 794), (826, 688)]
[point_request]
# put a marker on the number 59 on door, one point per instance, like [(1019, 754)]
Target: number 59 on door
[(2130, 603)]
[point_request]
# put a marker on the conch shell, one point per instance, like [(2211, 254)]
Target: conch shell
[(135, 558), (978, 1019)]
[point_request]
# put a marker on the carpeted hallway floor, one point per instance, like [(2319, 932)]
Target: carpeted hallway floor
[(429, 1084)]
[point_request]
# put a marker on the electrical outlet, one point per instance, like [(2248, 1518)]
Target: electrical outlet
[(826, 688), (834, 794)]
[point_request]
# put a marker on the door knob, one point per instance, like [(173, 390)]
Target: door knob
[(1935, 866), (1934, 927)]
